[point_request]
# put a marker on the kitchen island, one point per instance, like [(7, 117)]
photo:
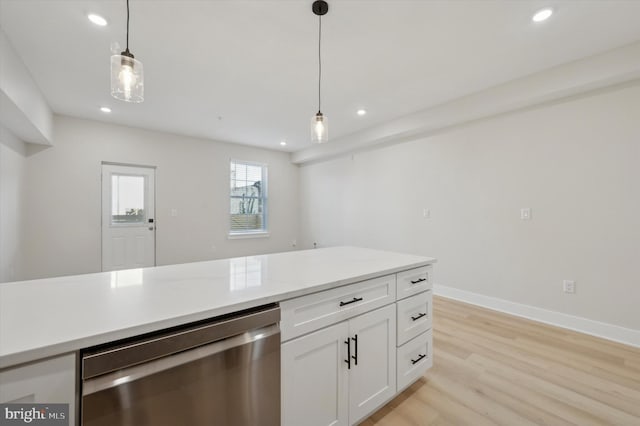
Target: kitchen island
[(50, 320)]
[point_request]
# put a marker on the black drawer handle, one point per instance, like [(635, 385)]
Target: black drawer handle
[(420, 315), (354, 300), (415, 361), (419, 280)]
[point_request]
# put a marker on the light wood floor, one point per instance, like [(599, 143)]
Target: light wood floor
[(492, 368)]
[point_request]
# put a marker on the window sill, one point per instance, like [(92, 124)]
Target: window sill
[(244, 235)]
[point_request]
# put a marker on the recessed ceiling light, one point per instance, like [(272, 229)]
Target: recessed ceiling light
[(283, 143), (105, 109), (97, 19), (542, 15), (362, 112)]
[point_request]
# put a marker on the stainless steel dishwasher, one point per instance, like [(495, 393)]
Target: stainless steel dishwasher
[(222, 372)]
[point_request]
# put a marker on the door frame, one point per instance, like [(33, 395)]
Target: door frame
[(155, 219)]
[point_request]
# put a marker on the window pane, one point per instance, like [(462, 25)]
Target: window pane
[(245, 175), (246, 222), (127, 199), (246, 205)]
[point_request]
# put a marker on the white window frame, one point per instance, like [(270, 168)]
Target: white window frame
[(264, 232)]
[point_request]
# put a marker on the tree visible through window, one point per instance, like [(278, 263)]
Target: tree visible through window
[(248, 197)]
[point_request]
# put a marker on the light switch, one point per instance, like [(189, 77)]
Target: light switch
[(525, 214), (426, 213), (174, 212), (569, 286)]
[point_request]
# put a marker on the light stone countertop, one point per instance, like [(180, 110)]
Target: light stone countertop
[(53, 316)]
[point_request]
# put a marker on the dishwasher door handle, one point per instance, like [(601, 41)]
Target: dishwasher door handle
[(120, 377), (102, 361)]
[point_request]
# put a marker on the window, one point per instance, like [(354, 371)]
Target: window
[(248, 198), (127, 199)]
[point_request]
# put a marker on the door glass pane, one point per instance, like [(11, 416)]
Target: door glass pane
[(127, 199)]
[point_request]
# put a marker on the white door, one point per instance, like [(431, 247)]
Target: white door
[(128, 217), (372, 378), (315, 378)]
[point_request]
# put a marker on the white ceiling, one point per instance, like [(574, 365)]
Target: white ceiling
[(246, 71)]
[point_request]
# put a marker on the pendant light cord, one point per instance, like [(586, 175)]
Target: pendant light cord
[(127, 25), (319, 59)]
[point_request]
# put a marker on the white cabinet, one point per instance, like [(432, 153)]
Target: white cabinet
[(414, 358), (340, 374), (372, 377), (414, 316), (49, 381), (349, 350), (314, 378), (311, 312), (414, 281)]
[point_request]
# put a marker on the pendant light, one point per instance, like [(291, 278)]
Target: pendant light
[(319, 122), (127, 74)]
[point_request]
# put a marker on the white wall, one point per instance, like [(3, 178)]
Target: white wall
[(63, 196), (615, 66), (576, 164), (24, 109), (12, 184)]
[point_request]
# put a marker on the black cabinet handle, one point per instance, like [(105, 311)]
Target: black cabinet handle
[(348, 360), (415, 361), (355, 357), (420, 315), (354, 300), (419, 280)]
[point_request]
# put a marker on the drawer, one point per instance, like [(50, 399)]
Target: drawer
[(308, 313), (414, 281), (414, 358), (415, 315)]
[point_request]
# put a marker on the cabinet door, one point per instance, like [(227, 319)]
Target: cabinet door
[(314, 378), (42, 382), (372, 380)]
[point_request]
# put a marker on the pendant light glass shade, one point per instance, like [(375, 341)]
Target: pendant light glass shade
[(319, 128), (127, 78)]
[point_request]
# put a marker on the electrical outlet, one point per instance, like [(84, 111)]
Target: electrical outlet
[(569, 286), (525, 213)]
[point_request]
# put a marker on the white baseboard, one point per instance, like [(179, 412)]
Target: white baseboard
[(616, 333)]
